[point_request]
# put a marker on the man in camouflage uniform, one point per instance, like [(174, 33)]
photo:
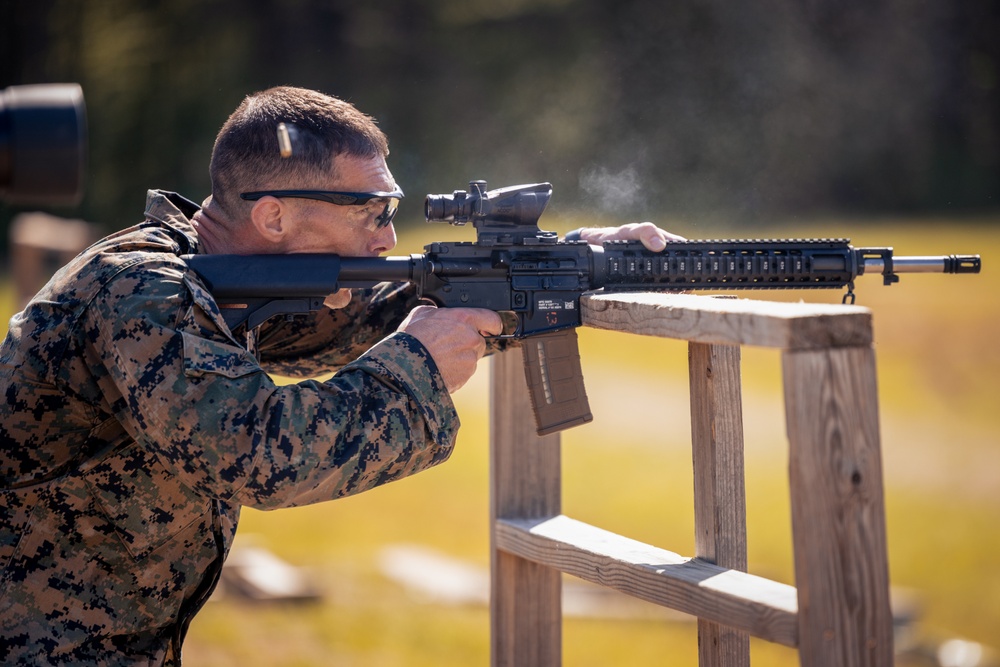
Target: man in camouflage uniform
[(135, 423)]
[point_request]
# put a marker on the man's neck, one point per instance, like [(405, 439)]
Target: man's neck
[(218, 234)]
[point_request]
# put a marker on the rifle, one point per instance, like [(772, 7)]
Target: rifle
[(534, 280)]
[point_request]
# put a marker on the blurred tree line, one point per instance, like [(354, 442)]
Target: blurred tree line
[(698, 109)]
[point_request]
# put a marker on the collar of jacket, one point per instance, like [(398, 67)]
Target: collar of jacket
[(175, 211)]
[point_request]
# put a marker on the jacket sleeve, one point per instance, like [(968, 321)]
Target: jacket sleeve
[(196, 399), (309, 345), (321, 342)]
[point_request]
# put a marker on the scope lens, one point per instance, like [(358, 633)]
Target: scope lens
[(439, 207), (43, 137)]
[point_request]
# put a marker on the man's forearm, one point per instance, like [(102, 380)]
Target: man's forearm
[(315, 343)]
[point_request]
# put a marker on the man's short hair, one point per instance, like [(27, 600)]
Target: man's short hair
[(247, 155)]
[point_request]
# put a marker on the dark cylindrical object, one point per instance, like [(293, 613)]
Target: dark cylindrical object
[(447, 208), (43, 140)]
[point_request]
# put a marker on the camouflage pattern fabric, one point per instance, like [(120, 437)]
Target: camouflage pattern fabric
[(135, 425)]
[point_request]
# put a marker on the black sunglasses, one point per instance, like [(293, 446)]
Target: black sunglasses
[(340, 199)]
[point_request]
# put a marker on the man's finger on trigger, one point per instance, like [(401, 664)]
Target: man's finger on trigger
[(489, 323)]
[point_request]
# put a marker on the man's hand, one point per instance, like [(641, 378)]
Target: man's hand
[(652, 237), (454, 337)]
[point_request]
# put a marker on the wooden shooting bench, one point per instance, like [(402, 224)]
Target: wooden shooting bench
[(837, 614)]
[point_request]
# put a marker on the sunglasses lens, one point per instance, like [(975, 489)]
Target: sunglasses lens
[(385, 218)]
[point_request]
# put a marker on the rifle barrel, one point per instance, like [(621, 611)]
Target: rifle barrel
[(926, 264)]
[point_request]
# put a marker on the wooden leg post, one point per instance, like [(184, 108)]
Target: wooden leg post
[(719, 496), (838, 511), (525, 600)]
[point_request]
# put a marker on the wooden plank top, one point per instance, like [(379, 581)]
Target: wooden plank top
[(727, 321)]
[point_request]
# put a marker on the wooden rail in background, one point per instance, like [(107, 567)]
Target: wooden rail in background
[(838, 612)]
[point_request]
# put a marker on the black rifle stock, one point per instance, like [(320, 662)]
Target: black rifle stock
[(535, 281)]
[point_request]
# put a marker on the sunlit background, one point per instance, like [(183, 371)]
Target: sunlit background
[(876, 121)]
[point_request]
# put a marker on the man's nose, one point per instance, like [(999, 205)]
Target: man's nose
[(384, 239)]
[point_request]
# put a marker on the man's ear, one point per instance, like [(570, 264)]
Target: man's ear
[(270, 218)]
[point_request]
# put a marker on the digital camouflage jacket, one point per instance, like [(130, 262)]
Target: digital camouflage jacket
[(134, 425)]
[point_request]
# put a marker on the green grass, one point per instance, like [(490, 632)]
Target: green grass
[(630, 471)]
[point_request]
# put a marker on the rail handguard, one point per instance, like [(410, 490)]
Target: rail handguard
[(535, 281)]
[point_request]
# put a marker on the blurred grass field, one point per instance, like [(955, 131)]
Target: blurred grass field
[(630, 472)]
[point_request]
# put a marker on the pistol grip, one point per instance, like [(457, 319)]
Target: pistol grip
[(555, 381)]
